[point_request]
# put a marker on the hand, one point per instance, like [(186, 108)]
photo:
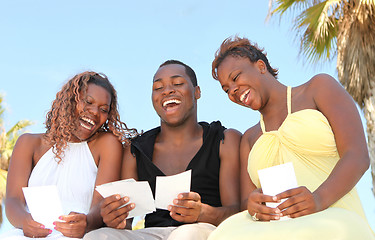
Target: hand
[(300, 202), (255, 205), (73, 225), (112, 215), (187, 207), (34, 229)]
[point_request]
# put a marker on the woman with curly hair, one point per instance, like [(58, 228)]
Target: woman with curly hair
[(316, 126), (81, 148)]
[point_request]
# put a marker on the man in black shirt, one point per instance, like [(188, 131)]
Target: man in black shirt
[(179, 144)]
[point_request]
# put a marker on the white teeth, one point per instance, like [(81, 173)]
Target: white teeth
[(87, 127), (242, 97), (171, 101), (88, 120)]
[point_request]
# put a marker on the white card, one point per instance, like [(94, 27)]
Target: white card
[(44, 204), (168, 187), (277, 179), (138, 193)]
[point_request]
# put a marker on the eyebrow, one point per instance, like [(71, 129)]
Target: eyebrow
[(173, 77), (109, 105)]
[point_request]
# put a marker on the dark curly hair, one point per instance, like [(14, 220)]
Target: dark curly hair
[(60, 118), (240, 47)]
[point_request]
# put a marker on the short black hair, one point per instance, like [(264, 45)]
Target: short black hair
[(189, 71)]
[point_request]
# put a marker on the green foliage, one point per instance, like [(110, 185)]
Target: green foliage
[(316, 24)]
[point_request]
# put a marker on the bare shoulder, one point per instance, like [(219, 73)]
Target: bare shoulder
[(251, 135), (232, 134), (108, 139), (322, 83), (30, 140)]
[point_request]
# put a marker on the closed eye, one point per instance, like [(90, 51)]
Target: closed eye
[(236, 77)]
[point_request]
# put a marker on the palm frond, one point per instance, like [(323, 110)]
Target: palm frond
[(317, 26)]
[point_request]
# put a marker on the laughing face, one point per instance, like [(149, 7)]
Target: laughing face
[(92, 112), (173, 95), (241, 80)]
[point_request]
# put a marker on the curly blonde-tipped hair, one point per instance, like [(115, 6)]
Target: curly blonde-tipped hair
[(60, 118), (240, 47)]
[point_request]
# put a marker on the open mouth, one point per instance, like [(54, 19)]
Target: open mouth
[(244, 95), (87, 123), (171, 103)]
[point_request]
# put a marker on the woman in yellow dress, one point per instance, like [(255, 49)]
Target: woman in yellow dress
[(316, 126)]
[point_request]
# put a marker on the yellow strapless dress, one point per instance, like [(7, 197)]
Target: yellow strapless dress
[(306, 139)]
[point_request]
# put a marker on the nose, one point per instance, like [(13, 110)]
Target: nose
[(94, 110), (233, 89), (168, 89)]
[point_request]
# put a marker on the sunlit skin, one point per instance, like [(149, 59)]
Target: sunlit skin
[(171, 84), (181, 136), (251, 85), (91, 112)]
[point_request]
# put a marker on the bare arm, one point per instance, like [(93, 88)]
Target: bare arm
[(229, 181), (247, 186), (20, 168), (113, 216), (339, 108)]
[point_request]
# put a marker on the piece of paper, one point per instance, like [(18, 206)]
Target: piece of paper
[(277, 179), (44, 204), (139, 192), (168, 187)]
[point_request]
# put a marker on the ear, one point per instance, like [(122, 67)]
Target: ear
[(261, 66), (197, 92)]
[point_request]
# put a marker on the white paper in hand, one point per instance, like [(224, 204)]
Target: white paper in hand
[(168, 187), (277, 179), (138, 193), (44, 204)]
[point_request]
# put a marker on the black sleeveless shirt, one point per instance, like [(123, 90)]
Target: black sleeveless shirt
[(205, 168)]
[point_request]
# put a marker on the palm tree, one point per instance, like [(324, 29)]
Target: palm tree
[(7, 141), (346, 29)]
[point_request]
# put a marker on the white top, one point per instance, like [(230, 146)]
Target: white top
[(74, 176)]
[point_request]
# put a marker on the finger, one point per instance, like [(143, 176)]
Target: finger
[(189, 196), (186, 203), (113, 204), (261, 198), (292, 192), (73, 217), (295, 208), (299, 214), (114, 221), (267, 217), (180, 210)]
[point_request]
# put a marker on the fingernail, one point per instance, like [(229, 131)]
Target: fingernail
[(277, 210), (277, 217), (175, 201), (61, 218), (132, 205), (42, 226), (126, 199), (50, 231), (54, 223), (169, 208), (274, 198), (118, 197), (55, 228), (180, 196)]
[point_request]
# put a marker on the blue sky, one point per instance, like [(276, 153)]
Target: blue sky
[(44, 43)]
